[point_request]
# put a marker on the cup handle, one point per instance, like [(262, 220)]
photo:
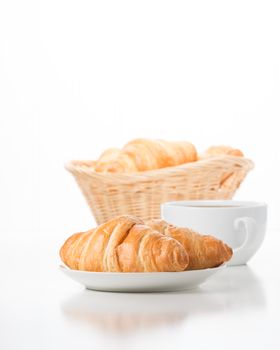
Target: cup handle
[(249, 225)]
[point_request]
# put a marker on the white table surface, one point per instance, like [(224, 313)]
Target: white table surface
[(40, 308)]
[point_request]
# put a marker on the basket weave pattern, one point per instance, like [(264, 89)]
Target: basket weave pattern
[(141, 194)]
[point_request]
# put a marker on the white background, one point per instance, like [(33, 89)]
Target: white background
[(77, 77)]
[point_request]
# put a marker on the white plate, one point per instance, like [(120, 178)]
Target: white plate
[(141, 281)]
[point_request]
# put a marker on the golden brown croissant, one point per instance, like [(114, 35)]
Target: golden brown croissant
[(124, 244), (109, 155), (145, 154), (204, 251), (221, 150)]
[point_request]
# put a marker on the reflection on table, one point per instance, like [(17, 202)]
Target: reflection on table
[(232, 288)]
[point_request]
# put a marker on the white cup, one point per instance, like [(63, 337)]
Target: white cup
[(240, 224)]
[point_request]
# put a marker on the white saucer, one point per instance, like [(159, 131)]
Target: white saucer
[(141, 281)]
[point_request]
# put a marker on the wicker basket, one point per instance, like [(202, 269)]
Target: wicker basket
[(141, 194)]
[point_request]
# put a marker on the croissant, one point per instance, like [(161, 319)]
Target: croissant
[(109, 155), (146, 154), (204, 251), (221, 150), (123, 244)]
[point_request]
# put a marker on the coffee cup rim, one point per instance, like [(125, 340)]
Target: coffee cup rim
[(223, 204)]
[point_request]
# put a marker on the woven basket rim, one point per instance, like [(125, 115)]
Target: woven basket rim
[(73, 166)]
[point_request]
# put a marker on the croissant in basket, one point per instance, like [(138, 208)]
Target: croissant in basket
[(126, 244), (221, 150), (146, 154)]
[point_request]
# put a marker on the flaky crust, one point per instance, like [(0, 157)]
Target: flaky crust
[(124, 244), (214, 151), (204, 251), (146, 154)]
